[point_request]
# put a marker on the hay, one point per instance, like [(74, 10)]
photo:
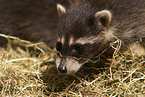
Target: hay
[(25, 72)]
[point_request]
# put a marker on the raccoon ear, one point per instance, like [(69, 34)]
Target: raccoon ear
[(105, 17), (60, 9)]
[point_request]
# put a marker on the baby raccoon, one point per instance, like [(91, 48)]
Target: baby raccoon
[(87, 28)]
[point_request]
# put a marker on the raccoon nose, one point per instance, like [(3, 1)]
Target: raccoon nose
[(62, 69)]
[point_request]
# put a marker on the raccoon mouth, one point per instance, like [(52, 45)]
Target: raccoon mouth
[(68, 65)]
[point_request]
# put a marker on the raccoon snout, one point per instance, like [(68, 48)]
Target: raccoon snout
[(67, 65), (62, 67)]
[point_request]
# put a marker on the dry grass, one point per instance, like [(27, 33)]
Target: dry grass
[(25, 72)]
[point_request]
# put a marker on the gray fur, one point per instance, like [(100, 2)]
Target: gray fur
[(78, 22)]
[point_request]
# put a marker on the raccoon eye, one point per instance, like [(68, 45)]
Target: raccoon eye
[(58, 46), (76, 50)]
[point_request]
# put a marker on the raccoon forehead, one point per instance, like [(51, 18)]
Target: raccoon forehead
[(87, 40), (71, 41), (61, 39), (81, 40), (103, 36)]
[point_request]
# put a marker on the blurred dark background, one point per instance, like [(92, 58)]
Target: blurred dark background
[(34, 20)]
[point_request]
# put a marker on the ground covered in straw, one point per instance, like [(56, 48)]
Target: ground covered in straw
[(29, 70)]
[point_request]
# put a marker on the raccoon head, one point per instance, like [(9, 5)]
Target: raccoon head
[(83, 33)]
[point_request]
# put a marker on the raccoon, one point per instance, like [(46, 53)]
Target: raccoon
[(86, 29)]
